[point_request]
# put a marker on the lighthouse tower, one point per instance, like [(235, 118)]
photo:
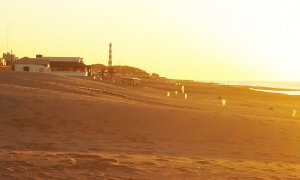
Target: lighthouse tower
[(110, 67), (110, 55)]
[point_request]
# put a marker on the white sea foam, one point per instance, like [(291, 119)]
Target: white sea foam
[(292, 93), (291, 88)]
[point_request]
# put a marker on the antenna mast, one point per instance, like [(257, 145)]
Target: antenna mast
[(7, 33)]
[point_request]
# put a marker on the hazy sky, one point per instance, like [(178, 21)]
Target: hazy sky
[(191, 39)]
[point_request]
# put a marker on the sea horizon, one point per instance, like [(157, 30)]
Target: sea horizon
[(291, 85), (288, 87)]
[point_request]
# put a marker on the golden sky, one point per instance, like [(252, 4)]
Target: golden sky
[(188, 39)]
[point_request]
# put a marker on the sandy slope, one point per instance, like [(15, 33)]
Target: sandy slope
[(52, 128)]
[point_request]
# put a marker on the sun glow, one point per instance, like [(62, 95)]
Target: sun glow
[(202, 40)]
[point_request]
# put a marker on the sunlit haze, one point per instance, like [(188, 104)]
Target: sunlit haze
[(186, 39)]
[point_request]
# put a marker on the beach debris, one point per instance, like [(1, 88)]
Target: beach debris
[(10, 169), (294, 113), (185, 96), (73, 161), (224, 102), (168, 94), (182, 89), (176, 92)]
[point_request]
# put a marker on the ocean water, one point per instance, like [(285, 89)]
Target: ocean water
[(290, 88)]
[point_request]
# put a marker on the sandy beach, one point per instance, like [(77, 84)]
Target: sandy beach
[(56, 127)]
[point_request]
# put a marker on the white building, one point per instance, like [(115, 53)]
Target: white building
[(67, 66), (31, 65)]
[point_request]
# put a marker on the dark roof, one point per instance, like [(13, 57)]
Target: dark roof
[(66, 64), (26, 60)]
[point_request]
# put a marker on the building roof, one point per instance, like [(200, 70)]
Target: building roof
[(64, 59), (26, 60), (66, 64)]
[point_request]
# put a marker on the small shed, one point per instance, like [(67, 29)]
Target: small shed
[(31, 65)]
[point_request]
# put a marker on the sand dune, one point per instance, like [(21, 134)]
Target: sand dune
[(52, 128)]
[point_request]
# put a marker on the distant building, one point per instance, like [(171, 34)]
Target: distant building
[(68, 66), (31, 65), (3, 66), (2, 62), (9, 58)]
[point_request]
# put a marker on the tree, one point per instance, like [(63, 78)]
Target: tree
[(154, 75)]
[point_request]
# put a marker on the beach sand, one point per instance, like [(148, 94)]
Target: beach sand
[(56, 127)]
